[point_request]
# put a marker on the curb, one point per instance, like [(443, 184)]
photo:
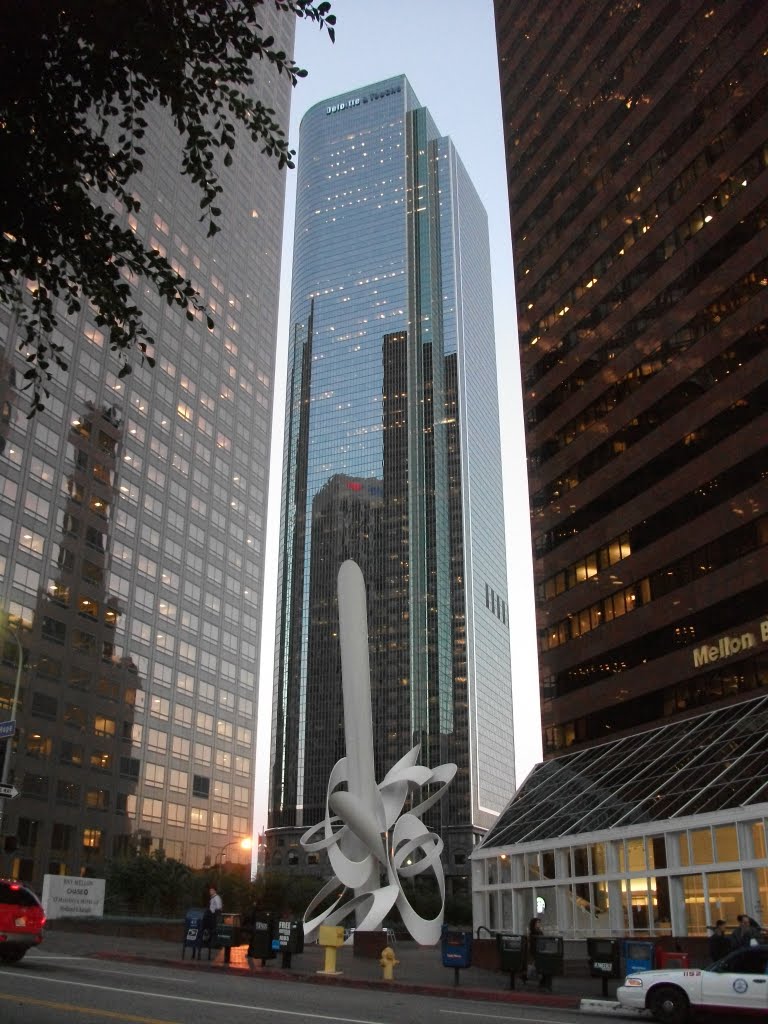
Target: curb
[(405, 988)]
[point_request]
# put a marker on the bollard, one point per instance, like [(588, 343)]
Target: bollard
[(329, 966), (388, 963)]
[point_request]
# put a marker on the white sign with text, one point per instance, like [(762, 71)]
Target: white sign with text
[(70, 896)]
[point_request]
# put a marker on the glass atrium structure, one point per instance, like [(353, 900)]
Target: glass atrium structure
[(660, 833), (391, 458), (131, 540)]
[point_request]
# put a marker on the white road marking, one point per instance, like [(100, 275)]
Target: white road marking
[(188, 999), (52, 956), (94, 967), (506, 1017)]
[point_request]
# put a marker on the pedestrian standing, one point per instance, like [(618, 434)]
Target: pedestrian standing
[(746, 933), (719, 943), (256, 927), (215, 906), (211, 916), (535, 932)]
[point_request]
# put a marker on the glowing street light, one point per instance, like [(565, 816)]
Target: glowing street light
[(244, 843)]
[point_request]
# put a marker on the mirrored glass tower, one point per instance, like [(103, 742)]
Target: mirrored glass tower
[(131, 541), (392, 458)]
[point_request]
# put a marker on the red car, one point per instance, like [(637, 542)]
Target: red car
[(21, 920)]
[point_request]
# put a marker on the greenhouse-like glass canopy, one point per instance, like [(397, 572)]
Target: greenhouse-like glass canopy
[(700, 765)]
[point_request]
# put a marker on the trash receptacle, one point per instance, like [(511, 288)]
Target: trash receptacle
[(672, 958), (193, 922), (290, 939), (456, 949), (227, 934), (513, 954), (638, 955), (604, 960), (263, 936)]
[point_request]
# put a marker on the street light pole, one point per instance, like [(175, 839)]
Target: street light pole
[(9, 741), (244, 843)]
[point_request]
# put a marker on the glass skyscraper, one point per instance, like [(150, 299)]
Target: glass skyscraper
[(131, 540), (392, 458)]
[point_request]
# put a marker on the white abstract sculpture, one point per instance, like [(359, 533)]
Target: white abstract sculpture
[(364, 831)]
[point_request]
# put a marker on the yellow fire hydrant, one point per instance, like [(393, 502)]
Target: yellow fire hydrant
[(388, 963)]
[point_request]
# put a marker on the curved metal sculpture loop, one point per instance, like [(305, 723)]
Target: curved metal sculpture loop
[(364, 831), (404, 849)]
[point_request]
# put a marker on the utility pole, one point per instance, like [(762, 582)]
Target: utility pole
[(4, 787)]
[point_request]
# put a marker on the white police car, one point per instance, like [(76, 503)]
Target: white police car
[(737, 983)]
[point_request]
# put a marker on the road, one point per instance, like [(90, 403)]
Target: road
[(78, 990)]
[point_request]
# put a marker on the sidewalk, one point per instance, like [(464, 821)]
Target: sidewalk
[(420, 969)]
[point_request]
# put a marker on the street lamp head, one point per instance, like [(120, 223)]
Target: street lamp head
[(245, 843)]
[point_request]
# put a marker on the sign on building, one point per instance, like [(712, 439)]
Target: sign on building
[(70, 896)]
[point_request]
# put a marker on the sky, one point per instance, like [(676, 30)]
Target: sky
[(447, 49)]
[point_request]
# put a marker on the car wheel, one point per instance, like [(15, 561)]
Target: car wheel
[(669, 1004), (12, 956)]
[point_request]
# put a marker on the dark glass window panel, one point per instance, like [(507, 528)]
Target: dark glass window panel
[(44, 705), (201, 786), (61, 837), (130, 767)]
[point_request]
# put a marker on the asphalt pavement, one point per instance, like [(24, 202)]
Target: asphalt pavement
[(419, 969)]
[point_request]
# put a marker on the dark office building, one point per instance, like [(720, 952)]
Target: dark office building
[(393, 460), (637, 146)]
